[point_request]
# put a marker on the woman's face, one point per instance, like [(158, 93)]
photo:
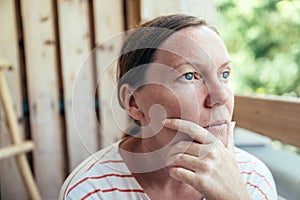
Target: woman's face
[(188, 80)]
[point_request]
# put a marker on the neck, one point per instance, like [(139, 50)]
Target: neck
[(159, 178), (146, 158), (147, 163)]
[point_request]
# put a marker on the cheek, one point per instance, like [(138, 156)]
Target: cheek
[(171, 103), (188, 105), (158, 95), (176, 102)]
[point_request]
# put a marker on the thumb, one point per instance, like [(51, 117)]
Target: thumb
[(230, 140)]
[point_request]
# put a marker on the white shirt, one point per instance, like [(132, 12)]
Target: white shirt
[(105, 175)]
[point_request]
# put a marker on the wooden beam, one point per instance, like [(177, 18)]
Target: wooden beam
[(133, 13), (277, 118), (8, 151), (4, 64)]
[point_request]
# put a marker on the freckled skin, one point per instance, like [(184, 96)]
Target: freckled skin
[(199, 103), (202, 103)]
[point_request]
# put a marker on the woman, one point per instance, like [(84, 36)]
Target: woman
[(173, 82)]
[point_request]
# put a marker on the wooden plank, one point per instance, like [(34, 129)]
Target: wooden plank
[(108, 23), (11, 184), (41, 67), (75, 48), (109, 20), (277, 118), (133, 13)]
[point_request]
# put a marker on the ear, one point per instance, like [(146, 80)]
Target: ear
[(128, 100)]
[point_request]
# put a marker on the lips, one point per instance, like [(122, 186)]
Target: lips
[(220, 130), (216, 123)]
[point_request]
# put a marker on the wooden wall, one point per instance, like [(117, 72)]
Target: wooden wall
[(47, 42)]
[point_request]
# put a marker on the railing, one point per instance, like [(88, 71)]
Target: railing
[(275, 117), (279, 119)]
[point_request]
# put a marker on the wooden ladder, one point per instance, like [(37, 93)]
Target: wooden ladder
[(18, 147)]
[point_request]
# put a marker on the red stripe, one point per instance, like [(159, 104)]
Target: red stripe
[(74, 176), (111, 190), (254, 171), (90, 193), (100, 158), (258, 188), (83, 167), (112, 161), (99, 177), (104, 162), (123, 190), (245, 162)]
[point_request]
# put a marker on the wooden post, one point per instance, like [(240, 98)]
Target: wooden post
[(109, 20), (82, 137), (133, 13), (21, 159), (43, 92)]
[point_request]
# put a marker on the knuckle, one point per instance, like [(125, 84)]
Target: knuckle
[(177, 158), (208, 167), (202, 153), (181, 145), (175, 171), (182, 158)]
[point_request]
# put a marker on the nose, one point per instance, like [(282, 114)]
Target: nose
[(216, 95)]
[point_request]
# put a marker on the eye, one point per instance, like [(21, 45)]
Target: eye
[(225, 74), (189, 76)]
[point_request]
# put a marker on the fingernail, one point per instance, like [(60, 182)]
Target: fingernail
[(166, 121)]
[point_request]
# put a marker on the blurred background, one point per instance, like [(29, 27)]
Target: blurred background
[(263, 38), (48, 41)]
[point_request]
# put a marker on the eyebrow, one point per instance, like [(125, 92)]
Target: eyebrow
[(183, 63), (225, 64), (197, 64)]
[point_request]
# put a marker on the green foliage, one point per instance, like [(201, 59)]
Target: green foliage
[(263, 39)]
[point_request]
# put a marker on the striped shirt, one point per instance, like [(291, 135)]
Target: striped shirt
[(104, 175)]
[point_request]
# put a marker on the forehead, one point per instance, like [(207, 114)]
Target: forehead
[(198, 44)]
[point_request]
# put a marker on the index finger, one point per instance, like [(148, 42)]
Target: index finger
[(196, 132), (230, 143)]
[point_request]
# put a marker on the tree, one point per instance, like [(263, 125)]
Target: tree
[(263, 39)]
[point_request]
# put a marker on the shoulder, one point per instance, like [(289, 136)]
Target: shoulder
[(256, 175), (100, 176)]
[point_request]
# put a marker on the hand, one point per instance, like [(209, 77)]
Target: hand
[(205, 163)]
